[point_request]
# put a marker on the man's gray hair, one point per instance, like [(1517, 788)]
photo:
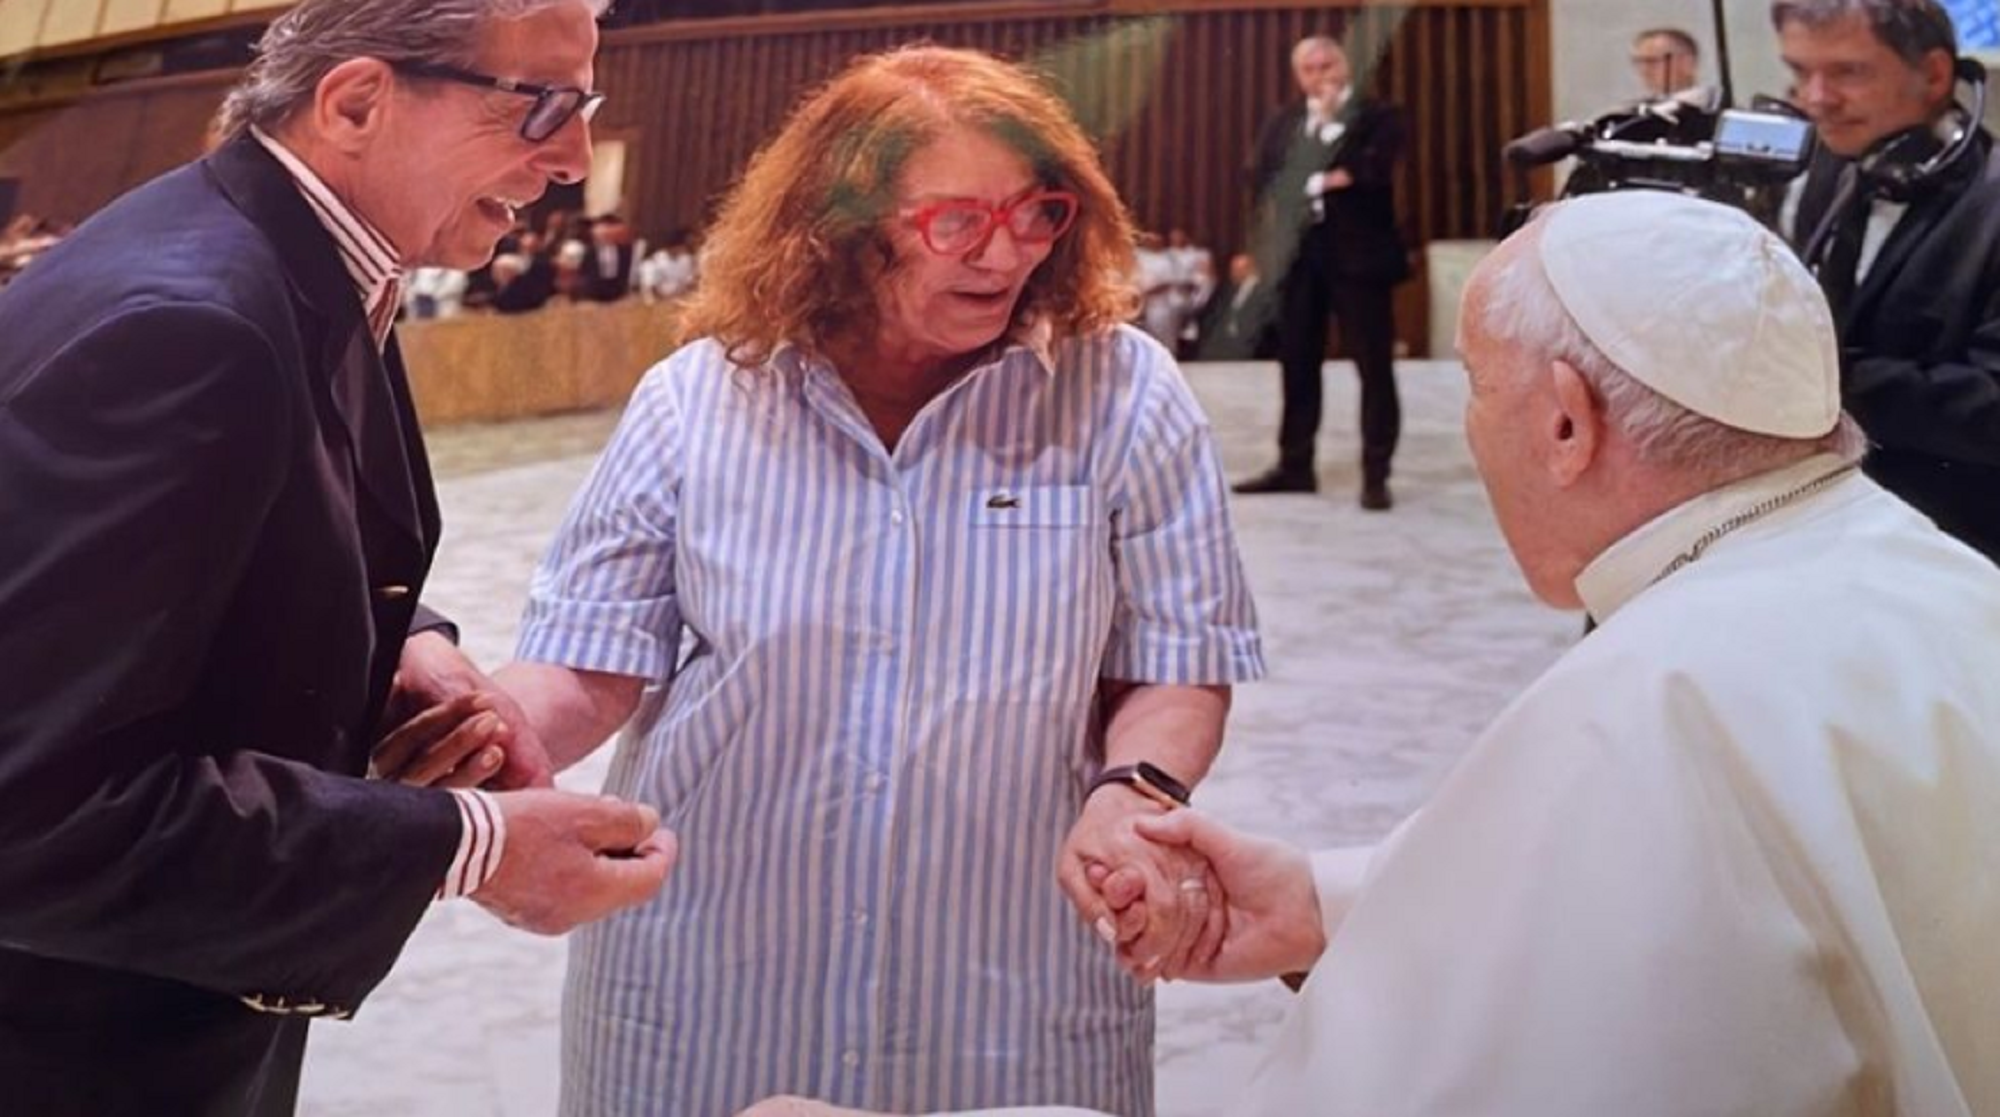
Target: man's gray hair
[(1911, 28), (1317, 41), (314, 36), (1522, 308), (1682, 41)]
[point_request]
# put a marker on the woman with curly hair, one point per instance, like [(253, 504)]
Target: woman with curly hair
[(900, 573)]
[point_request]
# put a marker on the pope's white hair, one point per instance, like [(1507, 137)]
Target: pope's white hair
[(314, 36), (1521, 308)]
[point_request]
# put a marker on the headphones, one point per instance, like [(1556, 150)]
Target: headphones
[(1902, 165)]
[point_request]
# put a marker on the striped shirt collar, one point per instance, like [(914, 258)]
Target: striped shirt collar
[(371, 261), (1035, 338)]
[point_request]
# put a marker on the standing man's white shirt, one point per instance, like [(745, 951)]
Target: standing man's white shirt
[(1883, 217)]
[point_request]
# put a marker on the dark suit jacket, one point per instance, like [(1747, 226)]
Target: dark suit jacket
[(603, 286), (218, 517), (1233, 333), (531, 290), (1921, 348), (1359, 236)]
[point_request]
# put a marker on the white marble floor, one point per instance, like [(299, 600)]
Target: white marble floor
[(1391, 638)]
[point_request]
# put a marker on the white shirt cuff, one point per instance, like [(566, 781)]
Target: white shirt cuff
[(481, 843), (1337, 876)]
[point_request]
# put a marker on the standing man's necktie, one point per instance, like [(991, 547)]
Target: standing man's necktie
[(1842, 258)]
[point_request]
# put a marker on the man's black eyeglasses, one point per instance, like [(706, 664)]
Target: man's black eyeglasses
[(553, 107)]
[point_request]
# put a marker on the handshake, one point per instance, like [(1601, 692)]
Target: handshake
[(568, 859), (1180, 896)]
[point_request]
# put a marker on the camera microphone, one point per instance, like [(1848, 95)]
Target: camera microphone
[(1546, 145)]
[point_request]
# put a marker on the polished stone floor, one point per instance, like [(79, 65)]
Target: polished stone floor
[(1391, 639)]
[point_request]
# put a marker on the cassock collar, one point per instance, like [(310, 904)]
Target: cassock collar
[(1630, 566)]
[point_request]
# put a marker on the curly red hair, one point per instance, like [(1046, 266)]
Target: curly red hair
[(799, 249)]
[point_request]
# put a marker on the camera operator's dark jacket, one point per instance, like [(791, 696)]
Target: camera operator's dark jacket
[(1921, 346), (1359, 234)]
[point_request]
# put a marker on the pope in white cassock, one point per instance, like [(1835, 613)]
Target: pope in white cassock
[(1738, 851)]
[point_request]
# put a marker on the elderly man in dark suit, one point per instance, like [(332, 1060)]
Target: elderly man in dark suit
[(219, 519), (1323, 174)]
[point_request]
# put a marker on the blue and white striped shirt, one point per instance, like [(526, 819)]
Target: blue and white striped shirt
[(879, 728)]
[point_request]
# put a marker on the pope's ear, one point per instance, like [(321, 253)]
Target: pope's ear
[(1575, 424)]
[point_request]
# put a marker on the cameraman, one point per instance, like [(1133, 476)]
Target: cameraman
[(1911, 262)]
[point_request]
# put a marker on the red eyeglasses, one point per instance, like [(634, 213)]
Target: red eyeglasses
[(960, 226)]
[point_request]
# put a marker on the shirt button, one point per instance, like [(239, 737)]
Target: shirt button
[(873, 782), (850, 1058), (896, 517), (861, 919)]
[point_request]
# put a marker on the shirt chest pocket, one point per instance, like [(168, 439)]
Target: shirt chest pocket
[(1034, 587)]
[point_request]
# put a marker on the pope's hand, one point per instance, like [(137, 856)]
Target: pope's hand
[(1157, 913), (1265, 897)]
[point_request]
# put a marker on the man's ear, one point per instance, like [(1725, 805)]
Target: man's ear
[(1576, 425), (1939, 70), (352, 101)]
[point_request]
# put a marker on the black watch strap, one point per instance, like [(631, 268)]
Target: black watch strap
[(1148, 780)]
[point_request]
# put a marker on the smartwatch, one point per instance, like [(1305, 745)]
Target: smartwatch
[(1146, 779)]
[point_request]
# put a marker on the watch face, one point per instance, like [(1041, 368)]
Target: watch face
[(1160, 779)]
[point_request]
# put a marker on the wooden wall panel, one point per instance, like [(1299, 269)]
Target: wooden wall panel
[(1175, 99), (1173, 89), (73, 159)]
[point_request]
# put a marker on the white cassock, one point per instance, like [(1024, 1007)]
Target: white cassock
[(1737, 852)]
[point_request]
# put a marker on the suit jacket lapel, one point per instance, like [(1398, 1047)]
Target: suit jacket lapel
[(426, 520), (1908, 233), (354, 375), (379, 431)]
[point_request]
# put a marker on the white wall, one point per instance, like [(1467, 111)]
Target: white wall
[(1593, 39)]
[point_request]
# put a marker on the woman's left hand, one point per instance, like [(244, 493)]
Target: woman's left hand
[(1156, 904)]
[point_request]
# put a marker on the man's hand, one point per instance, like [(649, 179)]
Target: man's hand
[(1155, 907), (1340, 178), (1269, 904), (455, 744), (571, 859), (432, 673)]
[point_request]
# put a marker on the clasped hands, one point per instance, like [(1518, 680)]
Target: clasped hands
[(1180, 896), (569, 859), (1159, 905)]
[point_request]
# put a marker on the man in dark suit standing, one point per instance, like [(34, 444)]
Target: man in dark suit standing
[(1324, 179), (219, 519), (1903, 203)]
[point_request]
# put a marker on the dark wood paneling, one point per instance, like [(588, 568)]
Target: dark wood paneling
[(1173, 89), (1174, 97), (73, 159)]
